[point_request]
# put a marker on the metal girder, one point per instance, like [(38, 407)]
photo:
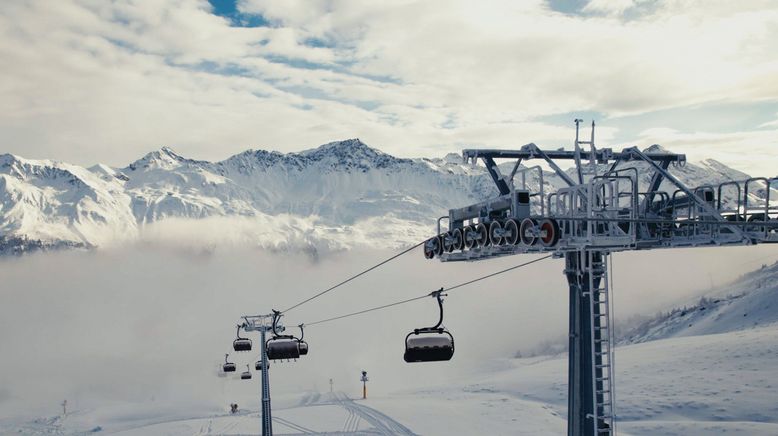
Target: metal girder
[(697, 200), (531, 151), (491, 166)]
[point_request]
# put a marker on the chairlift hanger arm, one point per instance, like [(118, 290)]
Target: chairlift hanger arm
[(438, 296)]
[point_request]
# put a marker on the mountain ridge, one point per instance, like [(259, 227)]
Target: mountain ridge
[(342, 193)]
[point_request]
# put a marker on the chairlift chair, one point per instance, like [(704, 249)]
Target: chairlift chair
[(430, 344), (241, 344), (228, 366), (281, 347), (246, 375)]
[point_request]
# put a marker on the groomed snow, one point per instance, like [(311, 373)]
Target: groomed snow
[(699, 385)]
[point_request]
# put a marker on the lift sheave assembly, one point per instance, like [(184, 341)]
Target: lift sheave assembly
[(430, 344)]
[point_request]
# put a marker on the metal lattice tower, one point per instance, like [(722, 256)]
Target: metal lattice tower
[(618, 201)]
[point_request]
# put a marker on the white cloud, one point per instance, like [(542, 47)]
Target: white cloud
[(90, 81), (754, 152), (609, 7)]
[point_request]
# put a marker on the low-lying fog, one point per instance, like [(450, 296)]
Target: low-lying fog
[(152, 324)]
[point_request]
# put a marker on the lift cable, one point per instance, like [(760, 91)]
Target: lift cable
[(431, 294), (383, 262)]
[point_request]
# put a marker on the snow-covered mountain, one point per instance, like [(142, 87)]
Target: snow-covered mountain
[(339, 195)]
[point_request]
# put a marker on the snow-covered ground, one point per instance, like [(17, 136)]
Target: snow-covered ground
[(696, 385), (132, 340)]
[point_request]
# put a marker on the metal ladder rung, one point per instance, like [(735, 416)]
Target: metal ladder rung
[(606, 365), (605, 391)]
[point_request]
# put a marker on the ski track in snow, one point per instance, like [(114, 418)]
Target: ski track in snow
[(382, 422)]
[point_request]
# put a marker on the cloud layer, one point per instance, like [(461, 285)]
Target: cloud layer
[(88, 81)]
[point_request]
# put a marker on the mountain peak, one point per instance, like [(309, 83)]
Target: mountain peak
[(349, 154), (164, 158), (656, 148), (353, 145)]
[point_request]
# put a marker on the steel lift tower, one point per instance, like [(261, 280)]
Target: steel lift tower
[(263, 324), (607, 202)]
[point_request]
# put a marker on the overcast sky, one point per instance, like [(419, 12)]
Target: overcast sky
[(89, 81)]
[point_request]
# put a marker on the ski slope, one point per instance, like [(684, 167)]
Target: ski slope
[(715, 384)]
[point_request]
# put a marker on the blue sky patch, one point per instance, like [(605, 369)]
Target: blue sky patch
[(229, 9)]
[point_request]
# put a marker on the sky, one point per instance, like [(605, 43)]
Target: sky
[(87, 81)]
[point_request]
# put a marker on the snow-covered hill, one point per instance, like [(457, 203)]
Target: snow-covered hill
[(749, 302), (339, 195)]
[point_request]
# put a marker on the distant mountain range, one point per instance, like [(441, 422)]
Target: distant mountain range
[(340, 195)]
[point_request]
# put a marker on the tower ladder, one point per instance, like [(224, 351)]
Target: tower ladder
[(602, 339)]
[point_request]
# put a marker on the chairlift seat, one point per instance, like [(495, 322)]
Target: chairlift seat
[(228, 367), (429, 346), (303, 346), (283, 348), (241, 344), (245, 375)]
